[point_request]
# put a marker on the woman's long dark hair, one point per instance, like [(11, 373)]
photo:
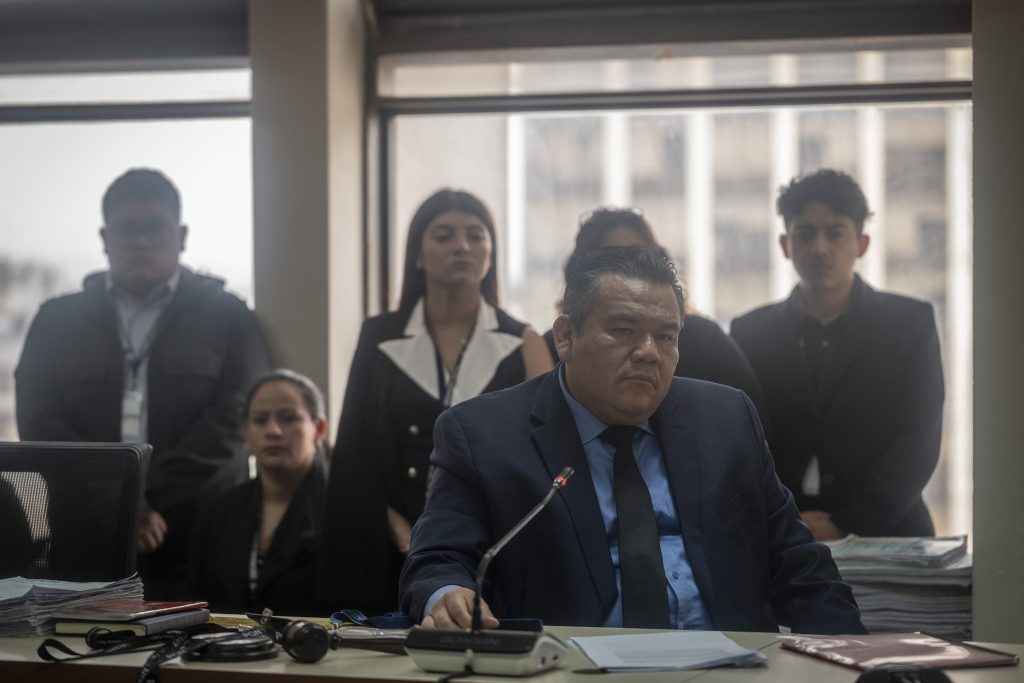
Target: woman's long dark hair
[(595, 225), (599, 222), (414, 283)]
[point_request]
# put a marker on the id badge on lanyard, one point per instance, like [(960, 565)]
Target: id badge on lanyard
[(131, 407), (133, 401), (131, 416)]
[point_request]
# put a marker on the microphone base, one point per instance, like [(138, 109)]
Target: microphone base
[(494, 653)]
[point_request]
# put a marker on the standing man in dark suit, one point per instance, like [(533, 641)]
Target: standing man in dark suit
[(152, 352), (852, 377), (675, 518)]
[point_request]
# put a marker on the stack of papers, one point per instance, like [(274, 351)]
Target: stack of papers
[(666, 651), (909, 584), (909, 551), (28, 607)]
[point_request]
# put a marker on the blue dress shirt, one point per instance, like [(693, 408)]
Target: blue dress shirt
[(686, 608)]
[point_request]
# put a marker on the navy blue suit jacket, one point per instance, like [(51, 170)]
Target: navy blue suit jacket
[(756, 565)]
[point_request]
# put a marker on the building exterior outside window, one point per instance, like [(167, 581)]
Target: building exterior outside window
[(706, 178)]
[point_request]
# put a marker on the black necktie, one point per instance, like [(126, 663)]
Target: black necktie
[(644, 588)]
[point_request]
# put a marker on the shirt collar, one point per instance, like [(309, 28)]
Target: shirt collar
[(486, 319), (160, 293), (588, 425), (794, 305)]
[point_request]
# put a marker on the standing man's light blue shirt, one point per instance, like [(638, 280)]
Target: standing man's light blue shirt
[(686, 609), (136, 320)]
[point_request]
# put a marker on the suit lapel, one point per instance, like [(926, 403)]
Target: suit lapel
[(557, 439), (678, 441), (415, 354)]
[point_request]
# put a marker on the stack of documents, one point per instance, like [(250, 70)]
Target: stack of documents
[(666, 651), (28, 606), (909, 584)]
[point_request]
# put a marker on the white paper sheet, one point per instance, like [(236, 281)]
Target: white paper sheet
[(672, 650)]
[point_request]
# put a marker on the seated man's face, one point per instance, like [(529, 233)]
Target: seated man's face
[(142, 239), (620, 364)]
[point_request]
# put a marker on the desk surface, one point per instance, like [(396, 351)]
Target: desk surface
[(19, 662)]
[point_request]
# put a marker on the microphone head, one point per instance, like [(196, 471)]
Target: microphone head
[(562, 479)]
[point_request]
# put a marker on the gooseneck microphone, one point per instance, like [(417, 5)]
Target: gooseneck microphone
[(492, 652), (558, 483)]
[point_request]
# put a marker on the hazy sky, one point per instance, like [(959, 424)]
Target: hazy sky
[(53, 175), (51, 196)]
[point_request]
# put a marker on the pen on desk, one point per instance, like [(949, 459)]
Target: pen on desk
[(965, 643)]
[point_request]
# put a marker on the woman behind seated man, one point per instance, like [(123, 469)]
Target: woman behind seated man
[(705, 351), (256, 545), (447, 342)]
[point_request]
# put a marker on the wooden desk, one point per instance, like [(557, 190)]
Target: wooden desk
[(18, 662)]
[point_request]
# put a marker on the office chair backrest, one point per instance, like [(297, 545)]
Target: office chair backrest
[(69, 511)]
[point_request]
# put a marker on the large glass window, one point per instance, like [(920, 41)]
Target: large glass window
[(706, 178), (54, 176)]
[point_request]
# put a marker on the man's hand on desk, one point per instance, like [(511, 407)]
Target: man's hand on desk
[(152, 529), (821, 525), (454, 609)]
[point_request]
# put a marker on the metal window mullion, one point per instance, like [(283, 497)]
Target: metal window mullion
[(700, 198), (959, 321), (785, 164), (700, 201), (871, 169), (514, 265), (835, 95), (616, 156), (149, 111)]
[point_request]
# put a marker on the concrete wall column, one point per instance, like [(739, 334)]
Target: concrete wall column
[(307, 92), (998, 321)]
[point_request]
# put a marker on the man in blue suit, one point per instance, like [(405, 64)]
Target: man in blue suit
[(675, 518)]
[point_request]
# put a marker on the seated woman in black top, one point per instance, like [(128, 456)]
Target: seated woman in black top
[(256, 545), (705, 351)]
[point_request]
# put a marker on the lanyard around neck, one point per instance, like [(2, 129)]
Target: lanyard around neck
[(134, 357), (449, 386)]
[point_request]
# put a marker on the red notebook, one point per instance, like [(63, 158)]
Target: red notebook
[(140, 627), (125, 610), (898, 649)]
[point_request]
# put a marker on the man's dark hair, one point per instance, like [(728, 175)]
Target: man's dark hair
[(142, 184), (584, 271), (414, 280), (834, 189)]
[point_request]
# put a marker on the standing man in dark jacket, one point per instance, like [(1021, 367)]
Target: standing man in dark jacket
[(852, 377), (151, 352)]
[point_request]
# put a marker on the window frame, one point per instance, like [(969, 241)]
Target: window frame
[(383, 110)]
